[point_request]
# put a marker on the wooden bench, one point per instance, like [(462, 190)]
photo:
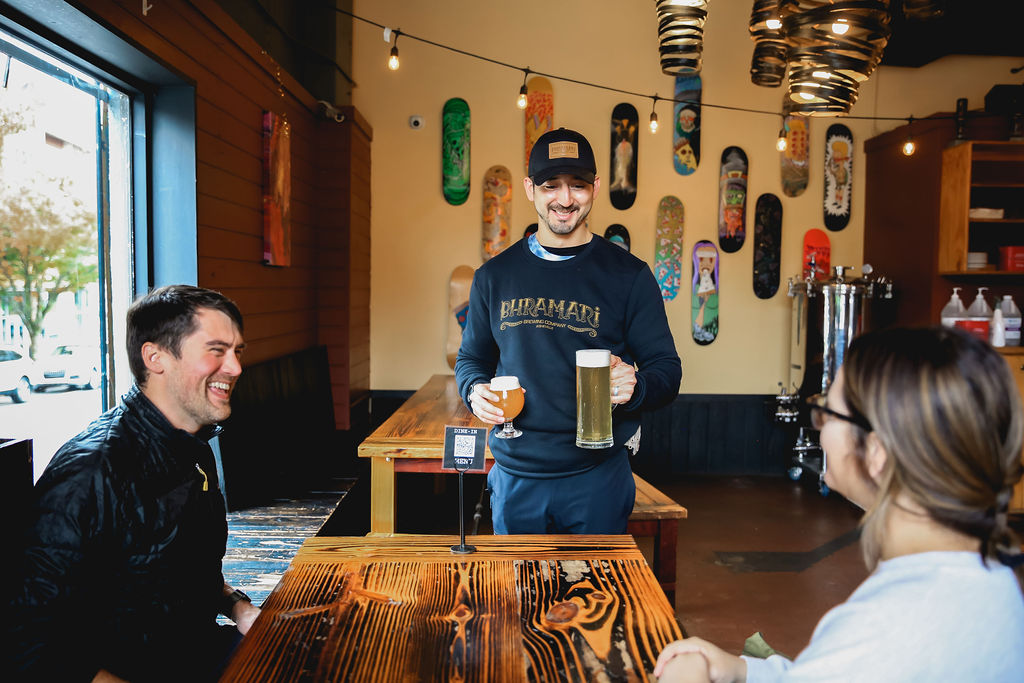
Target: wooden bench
[(656, 515)]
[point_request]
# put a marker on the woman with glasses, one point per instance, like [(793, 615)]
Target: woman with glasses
[(923, 429)]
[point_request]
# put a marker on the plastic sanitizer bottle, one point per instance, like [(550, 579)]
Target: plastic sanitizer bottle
[(1011, 320), (954, 310), (979, 316)]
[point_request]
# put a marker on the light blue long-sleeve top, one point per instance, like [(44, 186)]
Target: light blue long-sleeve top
[(937, 616)]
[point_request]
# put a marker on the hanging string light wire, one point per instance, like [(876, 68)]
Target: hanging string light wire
[(566, 79)]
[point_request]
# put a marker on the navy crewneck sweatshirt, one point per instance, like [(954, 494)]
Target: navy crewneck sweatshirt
[(528, 317)]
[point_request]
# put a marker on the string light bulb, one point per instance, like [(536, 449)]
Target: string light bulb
[(393, 62), (780, 143), (522, 100), (654, 116), (909, 146)]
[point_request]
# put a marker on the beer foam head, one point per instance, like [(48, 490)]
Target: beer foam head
[(593, 358), (505, 383)]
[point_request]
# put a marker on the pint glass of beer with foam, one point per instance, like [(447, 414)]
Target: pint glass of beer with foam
[(593, 399)]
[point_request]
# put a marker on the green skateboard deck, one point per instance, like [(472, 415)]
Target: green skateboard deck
[(686, 124), (817, 259), (668, 246), (497, 210), (617, 235), (455, 151), (458, 305), (704, 293), (539, 114), (732, 202), (625, 151), (794, 166), (838, 176), (767, 245)]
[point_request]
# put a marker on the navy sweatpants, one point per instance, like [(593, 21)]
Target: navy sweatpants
[(598, 501)]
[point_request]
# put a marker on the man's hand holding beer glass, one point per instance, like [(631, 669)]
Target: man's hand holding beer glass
[(623, 380), (498, 403)]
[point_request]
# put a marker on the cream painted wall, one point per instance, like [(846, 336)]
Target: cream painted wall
[(418, 238)]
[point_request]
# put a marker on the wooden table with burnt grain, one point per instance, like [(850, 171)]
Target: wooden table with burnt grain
[(405, 608)]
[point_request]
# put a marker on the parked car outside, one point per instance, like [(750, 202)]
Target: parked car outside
[(18, 374), (71, 365)]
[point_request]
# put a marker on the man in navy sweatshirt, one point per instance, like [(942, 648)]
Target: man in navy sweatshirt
[(531, 308)]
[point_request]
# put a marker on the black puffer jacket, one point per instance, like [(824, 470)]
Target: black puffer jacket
[(122, 557)]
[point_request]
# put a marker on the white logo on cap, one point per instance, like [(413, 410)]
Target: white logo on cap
[(563, 150)]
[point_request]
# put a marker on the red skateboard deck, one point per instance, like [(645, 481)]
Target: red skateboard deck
[(668, 246), (838, 176), (458, 305), (704, 293), (817, 259), (767, 245), (794, 159), (625, 151), (686, 124), (539, 113), (455, 151), (497, 210), (732, 201)]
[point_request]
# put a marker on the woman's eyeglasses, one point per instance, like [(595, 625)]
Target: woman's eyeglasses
[(821, 414)]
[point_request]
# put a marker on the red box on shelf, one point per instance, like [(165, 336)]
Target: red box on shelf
[(1011, 258)]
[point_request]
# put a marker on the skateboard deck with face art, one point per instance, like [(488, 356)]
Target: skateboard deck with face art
[(732, 200), (625, 152), (458, 306), (617, 235), (767, 245), (539, 113), (686, 124), (497, 210), (704, 293), (455, 151), (838, 176), (817, 259), (668, 246), (794, 164)]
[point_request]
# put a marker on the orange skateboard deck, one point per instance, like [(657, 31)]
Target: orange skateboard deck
[(794, 159), (539, 114), (817, 258), (497, 210), (458, 305)]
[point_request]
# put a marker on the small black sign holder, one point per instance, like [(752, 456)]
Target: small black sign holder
[(463, 451)]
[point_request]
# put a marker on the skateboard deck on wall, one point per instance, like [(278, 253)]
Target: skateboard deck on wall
[(704, 293), (497, 210), (794, 159), (767, 245), (686, 124), (455, 151), (617, 235), (458, 306), (732, 200), (625, 152), (539, 113), (668, 246), (817, 259), (838, 176)]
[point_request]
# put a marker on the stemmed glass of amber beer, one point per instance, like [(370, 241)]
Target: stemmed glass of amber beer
[(510, 400)]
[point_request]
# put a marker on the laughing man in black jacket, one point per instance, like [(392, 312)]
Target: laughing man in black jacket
[(121, 578)]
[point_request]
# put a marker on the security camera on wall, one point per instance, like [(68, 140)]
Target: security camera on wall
[(416, 122)]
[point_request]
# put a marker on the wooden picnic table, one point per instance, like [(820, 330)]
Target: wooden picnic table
[(405, 608)]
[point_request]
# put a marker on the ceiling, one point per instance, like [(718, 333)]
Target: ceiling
[(966, 27)]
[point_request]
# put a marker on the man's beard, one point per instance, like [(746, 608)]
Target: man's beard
[(559, 228)]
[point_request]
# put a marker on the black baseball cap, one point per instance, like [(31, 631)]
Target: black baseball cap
[(561, 151)]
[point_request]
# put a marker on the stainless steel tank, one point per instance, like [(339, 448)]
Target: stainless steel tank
[(826, 316)]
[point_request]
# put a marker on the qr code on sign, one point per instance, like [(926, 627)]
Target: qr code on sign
[(464, 446)]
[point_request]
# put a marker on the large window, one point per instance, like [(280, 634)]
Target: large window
[(65, 244)]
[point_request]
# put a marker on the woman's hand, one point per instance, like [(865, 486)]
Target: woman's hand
[(719, 665)]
